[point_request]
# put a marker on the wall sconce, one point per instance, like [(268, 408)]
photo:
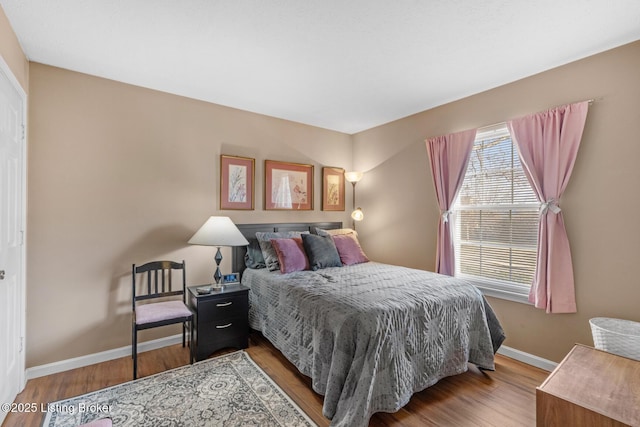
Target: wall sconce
[(353, 178)]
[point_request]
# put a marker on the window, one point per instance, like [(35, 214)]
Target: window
[(496, 219)]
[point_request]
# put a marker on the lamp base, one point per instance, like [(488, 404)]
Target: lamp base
[(217, 275)]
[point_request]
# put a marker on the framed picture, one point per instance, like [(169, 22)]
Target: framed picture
[(236, 182), (332, 189), (288, 186)]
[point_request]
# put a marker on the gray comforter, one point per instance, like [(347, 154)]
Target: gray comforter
[(370, 335)]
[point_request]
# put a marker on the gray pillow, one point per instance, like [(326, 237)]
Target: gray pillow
[(268, 252), (321, 251), (253, 258)]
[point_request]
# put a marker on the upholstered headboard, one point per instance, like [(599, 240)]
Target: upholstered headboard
[(249, 231)]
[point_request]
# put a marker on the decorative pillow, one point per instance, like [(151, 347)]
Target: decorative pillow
[(291, 255), (321, 251), (268, 253), (335, 231), (253, 258), (349, 249)]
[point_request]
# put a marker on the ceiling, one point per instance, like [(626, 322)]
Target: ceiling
[(342, 65)]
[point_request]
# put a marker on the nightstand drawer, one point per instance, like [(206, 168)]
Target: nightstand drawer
[(225, 307), (223, 330)]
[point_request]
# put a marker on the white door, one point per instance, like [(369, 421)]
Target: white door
[(11, 237)]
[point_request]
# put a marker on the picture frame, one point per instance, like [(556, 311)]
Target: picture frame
[(288, 186), (237, 179), (332, 189)]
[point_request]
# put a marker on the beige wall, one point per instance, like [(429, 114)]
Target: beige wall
[(97, 202), (600, 205), (119, 175), (12, 53)]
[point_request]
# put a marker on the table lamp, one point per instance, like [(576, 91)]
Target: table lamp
[(218, 231)]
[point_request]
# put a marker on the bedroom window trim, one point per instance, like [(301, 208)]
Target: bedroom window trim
[(503, 289)]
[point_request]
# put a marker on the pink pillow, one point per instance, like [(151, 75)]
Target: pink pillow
[(349, 249), (291, 254)]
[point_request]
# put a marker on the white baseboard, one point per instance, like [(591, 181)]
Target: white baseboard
[(90, 359), (527, 358)]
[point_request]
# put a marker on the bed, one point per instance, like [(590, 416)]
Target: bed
[(369, 335)]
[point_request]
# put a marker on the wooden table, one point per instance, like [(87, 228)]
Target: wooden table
[(590, 388)]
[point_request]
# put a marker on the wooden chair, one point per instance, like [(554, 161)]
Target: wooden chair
[(159, 285)]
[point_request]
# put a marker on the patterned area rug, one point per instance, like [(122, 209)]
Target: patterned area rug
[(229, 390)]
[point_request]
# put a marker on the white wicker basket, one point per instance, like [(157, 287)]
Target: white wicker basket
[(617, 336)]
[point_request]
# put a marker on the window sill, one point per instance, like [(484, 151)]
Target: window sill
[(494, 290), (502, 294)]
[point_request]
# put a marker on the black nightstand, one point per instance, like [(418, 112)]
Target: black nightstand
[(221, 319)]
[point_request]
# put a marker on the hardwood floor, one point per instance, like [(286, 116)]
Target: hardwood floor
[(502, 398)]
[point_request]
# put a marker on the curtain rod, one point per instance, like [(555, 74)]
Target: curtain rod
[(590, 101)]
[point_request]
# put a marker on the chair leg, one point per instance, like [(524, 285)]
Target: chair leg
[(184, 333), (134, 349)]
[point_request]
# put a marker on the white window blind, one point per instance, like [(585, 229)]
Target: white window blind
[(496, 216)]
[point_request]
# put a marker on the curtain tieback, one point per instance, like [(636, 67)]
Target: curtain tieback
[(550, 205), (445, 216)]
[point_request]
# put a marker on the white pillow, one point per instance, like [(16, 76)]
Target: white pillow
[(335, 231)]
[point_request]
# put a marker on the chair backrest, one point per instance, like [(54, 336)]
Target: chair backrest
[(158, 276)]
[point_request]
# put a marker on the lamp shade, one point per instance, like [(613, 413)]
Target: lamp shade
[(353, 176), (357, 215), (218, 231)]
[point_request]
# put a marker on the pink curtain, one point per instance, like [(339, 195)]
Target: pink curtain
[(449, 157), (548, 144)]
